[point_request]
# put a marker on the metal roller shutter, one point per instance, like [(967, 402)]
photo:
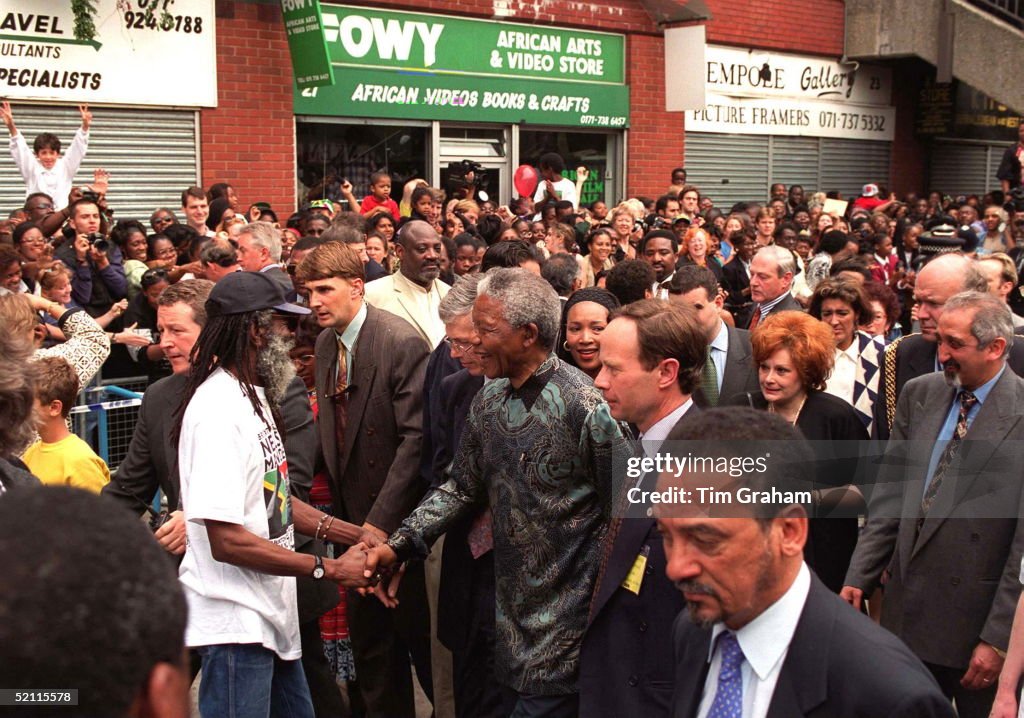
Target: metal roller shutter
[(795, 161), (151, 155), (963, 168), (741, 168), (728, 168), (848, 165)]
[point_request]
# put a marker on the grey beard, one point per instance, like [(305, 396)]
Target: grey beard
[(275, 368)]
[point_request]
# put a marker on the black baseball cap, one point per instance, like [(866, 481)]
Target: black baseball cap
[(242, 292)]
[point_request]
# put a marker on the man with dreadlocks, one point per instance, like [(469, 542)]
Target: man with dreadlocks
[(240, 516)]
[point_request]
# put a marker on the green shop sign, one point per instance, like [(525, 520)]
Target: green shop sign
[(304, 27), (415, 66)]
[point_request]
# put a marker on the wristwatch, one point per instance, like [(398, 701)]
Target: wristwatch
[(318, 569)]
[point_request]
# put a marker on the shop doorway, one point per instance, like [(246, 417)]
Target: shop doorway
[(487, 146)]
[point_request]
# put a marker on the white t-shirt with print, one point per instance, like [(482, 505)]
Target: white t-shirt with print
[(233, 469), (565, 189)]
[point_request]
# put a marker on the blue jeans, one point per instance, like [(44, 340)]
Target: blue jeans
[(250, 681)]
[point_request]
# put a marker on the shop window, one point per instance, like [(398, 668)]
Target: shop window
[(587, 149), (330, 153)]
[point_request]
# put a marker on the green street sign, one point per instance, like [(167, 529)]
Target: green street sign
[(303, 26), (418, 66)]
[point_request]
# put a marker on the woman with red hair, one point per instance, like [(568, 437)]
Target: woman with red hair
[(794, 354)]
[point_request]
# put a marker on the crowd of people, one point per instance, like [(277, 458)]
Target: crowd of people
[(385, 440)]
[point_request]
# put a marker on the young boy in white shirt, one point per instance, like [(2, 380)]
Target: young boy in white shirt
[(43, 168)]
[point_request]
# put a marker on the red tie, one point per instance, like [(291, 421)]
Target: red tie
[(756, 319)]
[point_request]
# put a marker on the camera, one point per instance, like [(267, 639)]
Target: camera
[(459, 181), (158, 520), (1015, 200), (90, 195), (99, 241)]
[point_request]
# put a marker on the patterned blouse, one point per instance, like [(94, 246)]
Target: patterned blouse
[(86, 348), (543, 458)]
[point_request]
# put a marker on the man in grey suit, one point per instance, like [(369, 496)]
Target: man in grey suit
[(259, 250), (944, 517), (369, 379), (729, 366), (771, 278)]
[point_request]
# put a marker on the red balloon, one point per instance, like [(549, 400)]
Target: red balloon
[(525, 180)]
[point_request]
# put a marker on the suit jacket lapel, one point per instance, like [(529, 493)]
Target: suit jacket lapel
[(691, 669), (997, 416), (803, 680), (932, 414), (734, 376), (628, 542), (408, 302), (361, 380), (326, 359)]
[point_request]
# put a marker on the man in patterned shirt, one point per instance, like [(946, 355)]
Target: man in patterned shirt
[(539, 448)]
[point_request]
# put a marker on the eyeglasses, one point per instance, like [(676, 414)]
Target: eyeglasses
[(163, 220), (40, 205), (459, 346)]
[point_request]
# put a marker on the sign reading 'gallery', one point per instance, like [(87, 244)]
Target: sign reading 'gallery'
[(755, 92), (433, 67)]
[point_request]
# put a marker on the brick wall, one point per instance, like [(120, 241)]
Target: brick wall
[(655, 144), (785, 25), (248, 141)]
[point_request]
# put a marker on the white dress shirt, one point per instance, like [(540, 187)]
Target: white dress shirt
[(765, 643), (719, 352), (651, 439), (844, 373)]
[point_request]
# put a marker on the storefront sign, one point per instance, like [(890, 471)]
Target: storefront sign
[(144, 53), (934, 114), (761, 93), (303, 25), (792, 117), (742, 73), (434, 67)]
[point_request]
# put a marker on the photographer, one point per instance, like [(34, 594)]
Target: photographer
[(98, 278), (464, 179)]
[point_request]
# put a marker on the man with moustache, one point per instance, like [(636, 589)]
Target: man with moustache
[(151, 466), (652, 355), (762, 636), (944, 520), (414, 291), (659, 249), (916, 354), (238, 572)]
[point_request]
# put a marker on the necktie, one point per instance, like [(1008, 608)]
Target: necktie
[(728, 701), (340, 397), (967, 401), (342, 381), (756, 319), (709, 380)]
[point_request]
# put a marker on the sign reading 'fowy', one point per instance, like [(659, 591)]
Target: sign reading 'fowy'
[(414, 65)]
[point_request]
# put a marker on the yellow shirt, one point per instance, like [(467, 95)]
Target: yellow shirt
[(68, 462)]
